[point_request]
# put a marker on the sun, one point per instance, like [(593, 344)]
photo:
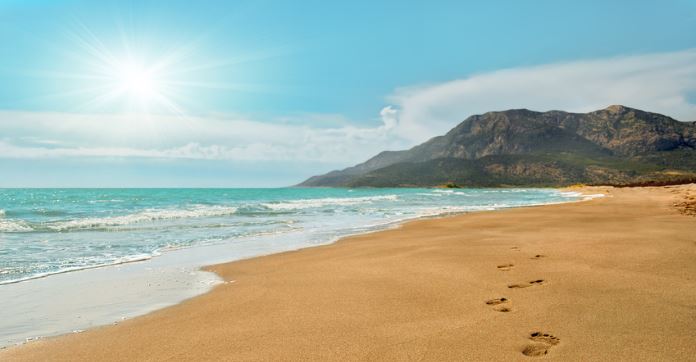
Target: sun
[(140, 75), (137, 81)]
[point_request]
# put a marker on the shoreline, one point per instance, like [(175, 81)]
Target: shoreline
[(166, 279), (368, 229), (236, 271)]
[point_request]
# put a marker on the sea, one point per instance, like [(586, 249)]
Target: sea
[(129, 251), (50, 231)]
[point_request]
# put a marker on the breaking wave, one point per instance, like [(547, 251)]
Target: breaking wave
[(143, 216), (316, 203), (15, 226)]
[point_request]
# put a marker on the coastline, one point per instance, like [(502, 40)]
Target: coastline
[(64, 302), (357, 230), (420, 291)]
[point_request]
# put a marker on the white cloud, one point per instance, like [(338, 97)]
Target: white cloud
[(659, 83), (389, 117), (56, 135)]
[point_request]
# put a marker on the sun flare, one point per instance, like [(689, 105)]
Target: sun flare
[(139, 75), (129, 77), (137, 81)]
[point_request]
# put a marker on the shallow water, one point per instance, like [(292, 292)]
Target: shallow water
[(51, 231)]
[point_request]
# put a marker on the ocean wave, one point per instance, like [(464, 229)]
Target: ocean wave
[(143, 216), (139, 230), (443, 191), (14, 226), (506, 191), (100, 201), (448, 192), (420, 213), (315, 203)]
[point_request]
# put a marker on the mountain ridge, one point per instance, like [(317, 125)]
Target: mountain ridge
[(520, 147)]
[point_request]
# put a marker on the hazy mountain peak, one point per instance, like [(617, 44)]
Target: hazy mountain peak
[(616, 108)]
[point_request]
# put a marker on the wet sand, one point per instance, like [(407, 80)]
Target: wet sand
[(609, 279)]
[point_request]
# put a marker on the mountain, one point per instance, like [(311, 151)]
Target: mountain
[(617, 145)]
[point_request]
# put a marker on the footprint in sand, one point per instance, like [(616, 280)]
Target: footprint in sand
[(526, 285), (515, 248), (542, 343), (497, 302), (505, 267), (538, 256)]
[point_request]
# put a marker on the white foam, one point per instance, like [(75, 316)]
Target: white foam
[(444, 210), (80, 300), (505, 191), (143, 216), (576, 194), (448, 192), (121, 260), (104, 201), (14, 226), (315, 203)]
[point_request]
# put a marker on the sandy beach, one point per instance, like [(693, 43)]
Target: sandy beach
[(609, 279)]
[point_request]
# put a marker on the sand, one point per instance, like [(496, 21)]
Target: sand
[(608, 279)]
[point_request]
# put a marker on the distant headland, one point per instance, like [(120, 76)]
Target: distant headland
[(617, 146)]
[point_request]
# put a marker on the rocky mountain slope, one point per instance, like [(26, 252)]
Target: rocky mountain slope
[(616, 145)]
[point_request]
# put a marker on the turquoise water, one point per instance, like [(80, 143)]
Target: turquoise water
[(49, 231)]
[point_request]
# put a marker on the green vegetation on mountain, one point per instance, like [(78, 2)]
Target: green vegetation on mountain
[(616, 146)]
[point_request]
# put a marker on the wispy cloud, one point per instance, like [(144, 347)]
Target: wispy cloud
[(56, 135), (663, 83)]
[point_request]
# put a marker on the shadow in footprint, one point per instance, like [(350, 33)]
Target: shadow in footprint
[(542, 343), (538, 256), (502, 309), (526, 285), (505, 267)]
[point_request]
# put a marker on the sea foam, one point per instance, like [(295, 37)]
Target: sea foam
[(315, 203), (143, 216), (14, 226)]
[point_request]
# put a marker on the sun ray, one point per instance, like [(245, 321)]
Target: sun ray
[(127, 76)]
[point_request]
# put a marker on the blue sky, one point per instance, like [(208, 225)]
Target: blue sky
[(266, 93)]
